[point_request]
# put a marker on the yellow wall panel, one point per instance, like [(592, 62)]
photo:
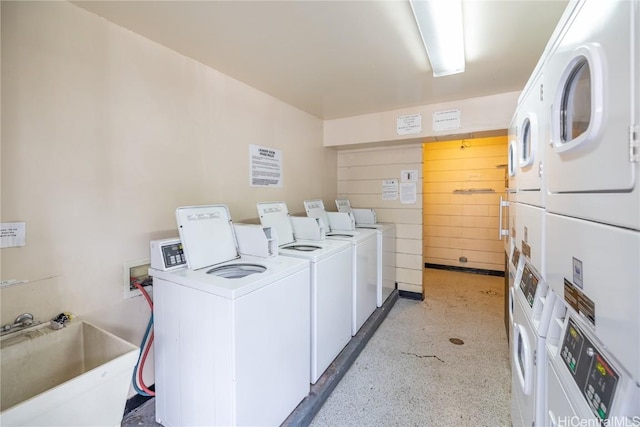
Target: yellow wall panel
[(463, 224)]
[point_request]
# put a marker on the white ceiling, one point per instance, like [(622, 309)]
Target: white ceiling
[(343, 58)]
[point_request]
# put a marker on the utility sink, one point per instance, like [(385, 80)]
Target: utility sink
[(75, 376)]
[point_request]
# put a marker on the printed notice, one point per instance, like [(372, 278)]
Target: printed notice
[(409, 124), (12, 234), (409, 175), (390, 189), (446, 120), (408, 192), (265, 167)]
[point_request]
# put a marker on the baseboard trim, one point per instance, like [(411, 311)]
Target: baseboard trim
[(136, 401), (411, 295), (465, 269)]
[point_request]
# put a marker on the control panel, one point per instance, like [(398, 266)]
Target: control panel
[(529, 284), (595, 377), (167, 254)]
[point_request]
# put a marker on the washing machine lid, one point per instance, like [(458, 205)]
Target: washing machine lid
[(276, 215), (315, 209), (207, 235), (343, 205)]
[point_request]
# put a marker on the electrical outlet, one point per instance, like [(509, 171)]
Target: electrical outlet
[(134, 269)]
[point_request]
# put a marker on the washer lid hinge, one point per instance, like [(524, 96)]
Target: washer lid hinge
[(634, 144)]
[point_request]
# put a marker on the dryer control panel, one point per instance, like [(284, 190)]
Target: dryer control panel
[(595, 377), (529, 284)]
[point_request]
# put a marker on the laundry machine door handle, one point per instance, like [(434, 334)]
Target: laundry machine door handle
[(522, 354), (501, 231)]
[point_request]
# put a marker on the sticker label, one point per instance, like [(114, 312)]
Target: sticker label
[(526, 249), (577, 273), (577, 300)]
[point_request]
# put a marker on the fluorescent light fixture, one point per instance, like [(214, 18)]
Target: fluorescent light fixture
[(440, 26)]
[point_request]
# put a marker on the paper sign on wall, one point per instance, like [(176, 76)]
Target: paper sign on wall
[(410, 175), (12, 234), (390, 189), (409, 124), (265, 167), (446, 120), (408, 193)]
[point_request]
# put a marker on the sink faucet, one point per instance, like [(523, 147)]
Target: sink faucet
[(22, 321)]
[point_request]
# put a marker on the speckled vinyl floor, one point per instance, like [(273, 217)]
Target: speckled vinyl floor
[(411, 374)]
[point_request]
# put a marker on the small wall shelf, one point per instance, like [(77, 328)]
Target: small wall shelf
[(474, 190)]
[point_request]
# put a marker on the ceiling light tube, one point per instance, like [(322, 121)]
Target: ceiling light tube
[(440, 26)]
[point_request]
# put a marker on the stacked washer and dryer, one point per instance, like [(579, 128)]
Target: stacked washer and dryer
[(530, 302), (593, 213), (589, 124)]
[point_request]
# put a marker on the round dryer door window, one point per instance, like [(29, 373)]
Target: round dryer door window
[(575, 110)]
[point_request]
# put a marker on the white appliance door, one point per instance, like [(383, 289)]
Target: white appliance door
[(522, 354), (530, 137), (207, 235), (276, 215)]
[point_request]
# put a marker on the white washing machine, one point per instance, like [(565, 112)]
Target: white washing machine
[(386, 232), (331, 294), (531, 315), (231, 332), (586, 385), (365, 260), (594, 268), (591, 79)]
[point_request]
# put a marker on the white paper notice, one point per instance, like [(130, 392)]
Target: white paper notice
[(409, 124), (408, 193), (446, 120), (265, 167), (409, 175), (390, 189), (12, 234)]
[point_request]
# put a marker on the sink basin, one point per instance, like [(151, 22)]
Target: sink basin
[(75, 376)]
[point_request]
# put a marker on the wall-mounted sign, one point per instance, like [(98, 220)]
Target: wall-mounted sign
[(408, 193), (409, 124), (265, 167), (446, 120), (390, 189), (13, 234), (409, 175)]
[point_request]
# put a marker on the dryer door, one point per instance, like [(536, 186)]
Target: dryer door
[(522, 354), (529, 140)]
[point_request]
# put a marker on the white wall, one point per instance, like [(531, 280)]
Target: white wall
[(360, 176), (104, 134), (477, 115)]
